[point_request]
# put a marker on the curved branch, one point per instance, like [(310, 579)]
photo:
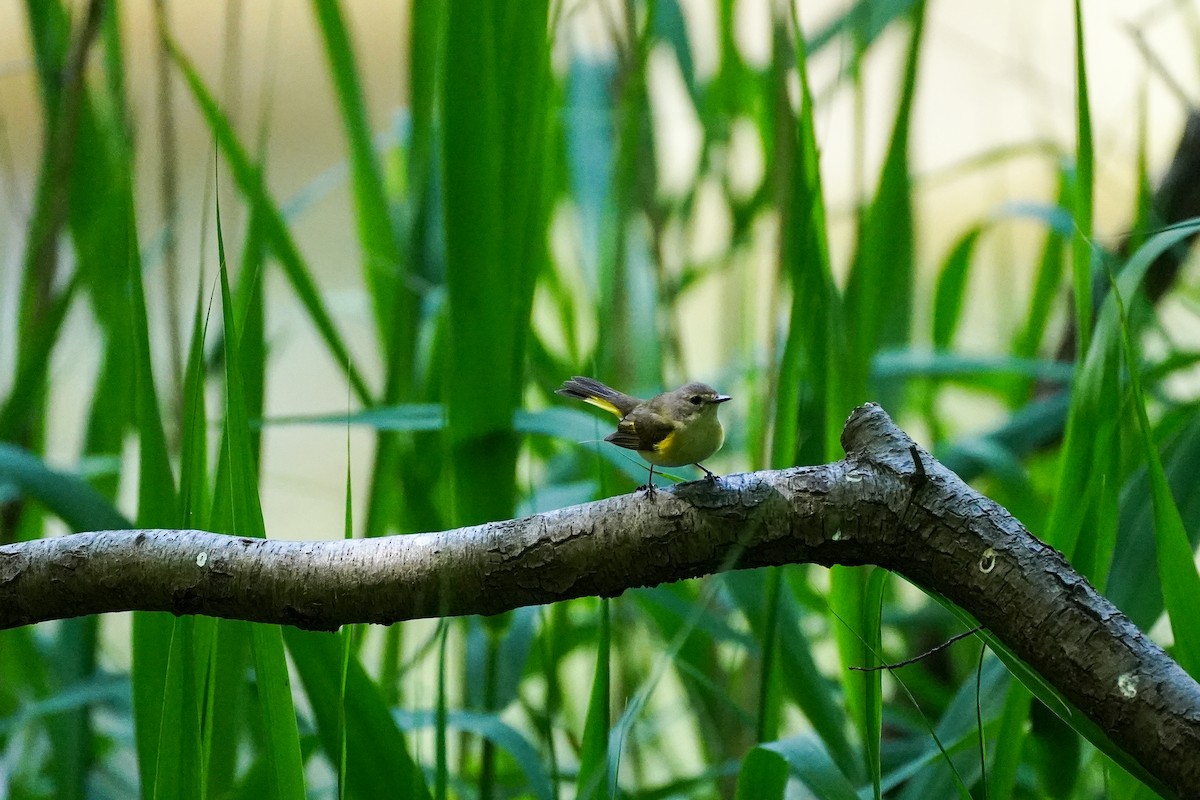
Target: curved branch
[(886, 503)]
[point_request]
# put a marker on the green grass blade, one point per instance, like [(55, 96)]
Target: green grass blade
[(33, 365), (381, 254), (250, 304), (810, 762), (250, 181), (1133, 584), (1009, 742), (767, 714), (179, 761), (534, 781), (158, 506), (1047, 283), (69, 497), (594, 780), (418, 330), (848, 612), (40, 310), (194, 499), (73, 662), (410, 418), (1094, 402), (151, 648), (1081, 244), (1094, 415), (1055, 752), (1176, 562), (441, 776), (815, 340), (980, 372), (378, 763), (274, 685), (866, 20), (228, 695), (879, 292), (763, 776), (873, 728), (802, 682), (951, 289), (495, 110)]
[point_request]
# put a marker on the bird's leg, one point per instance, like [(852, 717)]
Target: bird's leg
[(708, 474), (649, 487)]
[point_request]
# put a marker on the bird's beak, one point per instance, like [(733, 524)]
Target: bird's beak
[(721, 398)]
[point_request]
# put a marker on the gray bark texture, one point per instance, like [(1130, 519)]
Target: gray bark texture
[(887, 503)]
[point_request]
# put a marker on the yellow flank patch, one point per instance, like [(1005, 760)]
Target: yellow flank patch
[(663, 445), (600, 402)]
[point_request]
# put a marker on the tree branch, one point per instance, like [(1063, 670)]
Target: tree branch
[(887, 503)]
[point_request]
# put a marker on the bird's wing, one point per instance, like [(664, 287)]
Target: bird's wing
[(642, 429)]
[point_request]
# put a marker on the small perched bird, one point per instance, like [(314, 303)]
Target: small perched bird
[(669, 430)]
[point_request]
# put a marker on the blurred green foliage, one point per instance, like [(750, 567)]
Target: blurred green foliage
[(732, 686)]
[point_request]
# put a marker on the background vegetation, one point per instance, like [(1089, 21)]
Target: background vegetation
[(524, 220)]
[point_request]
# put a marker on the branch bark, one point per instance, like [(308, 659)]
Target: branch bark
[(887, 503)]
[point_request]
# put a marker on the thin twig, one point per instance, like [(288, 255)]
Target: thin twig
[(926, 654)]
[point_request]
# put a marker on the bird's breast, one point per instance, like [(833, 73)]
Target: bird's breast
[(689, 445)]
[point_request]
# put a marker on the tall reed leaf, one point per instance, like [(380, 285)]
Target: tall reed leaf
[(381, 254), (378, 762), (1047, 284), (494, 105), (1133, 585), (1086, 494), (1081, 245), (178, 768), (1176, 562), (763, 776), (68, 496), (594, 778), (274, 686), (878, 304), (157, 507), (1091, 424), (880, 289), (225, 688), (249, 179), (802, 682), (809, 762), (808, 382)]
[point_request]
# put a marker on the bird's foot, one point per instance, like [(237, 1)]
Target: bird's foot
[(709, 475), (649, 487)]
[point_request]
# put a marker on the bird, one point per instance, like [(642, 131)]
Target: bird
[(672, 429)]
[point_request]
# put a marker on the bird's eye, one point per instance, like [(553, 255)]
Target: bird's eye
[(697, 399)]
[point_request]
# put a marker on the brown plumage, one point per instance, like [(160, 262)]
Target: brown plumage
[(669, 430)]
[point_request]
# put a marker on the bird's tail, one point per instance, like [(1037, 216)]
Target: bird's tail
[(599, 395)]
